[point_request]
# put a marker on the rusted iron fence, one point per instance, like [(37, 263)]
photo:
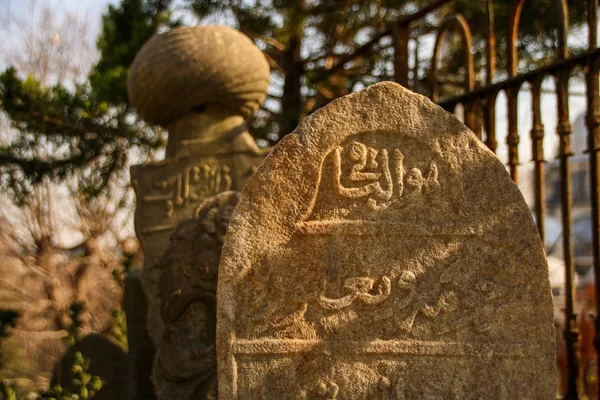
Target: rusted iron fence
[(479, 105)]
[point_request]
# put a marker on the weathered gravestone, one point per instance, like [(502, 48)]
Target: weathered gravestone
[(382, 252), (106, 360), (201, 83), (186, 366)]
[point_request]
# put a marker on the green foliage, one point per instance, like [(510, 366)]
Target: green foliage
[(7, 392), (89, 130), (118, 331), (86, 384), (75, 311), (125, 29), (128, 261), (61, 131)]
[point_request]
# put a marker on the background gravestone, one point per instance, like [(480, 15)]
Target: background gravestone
[(186, 359), (382, 252), (106, 360), (200, 83)]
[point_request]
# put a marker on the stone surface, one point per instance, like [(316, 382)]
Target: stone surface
[(201, 83), (382, 252), (186, 362), (170, 191), (188, 67), (107, 360)]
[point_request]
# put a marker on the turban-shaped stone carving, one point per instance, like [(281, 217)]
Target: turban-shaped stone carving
[(187, 68), (200, 83), (186, 364)]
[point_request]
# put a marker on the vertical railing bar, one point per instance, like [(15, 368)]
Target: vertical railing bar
[(564, 130), (512, 138), (512, 93), (593, 125), (478, 116), (470, 107), (537, 151), (434, 67), (513, 30), (489, 109), (471, 117), (490, 121), (563, 30)]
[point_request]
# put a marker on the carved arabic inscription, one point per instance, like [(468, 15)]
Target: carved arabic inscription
[(379, 174), (190, 185), (407, 302)]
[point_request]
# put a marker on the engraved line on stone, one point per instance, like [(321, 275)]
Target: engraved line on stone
[(183, 160), (378, 347), (158, 197), (361, 227), (159, 228), (359, 289)]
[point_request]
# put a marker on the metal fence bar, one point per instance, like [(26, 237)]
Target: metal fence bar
[(512, 138), (537, 151), (593, 126), (564, 130), (512, 92), (489, 100), (490, 48), (551, 69), (571, 333), (489, 115)]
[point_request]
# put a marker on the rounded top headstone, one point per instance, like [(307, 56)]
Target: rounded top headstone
[(187, 68), (380, 251)]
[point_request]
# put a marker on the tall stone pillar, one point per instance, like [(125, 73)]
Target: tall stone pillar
[(201, 84)]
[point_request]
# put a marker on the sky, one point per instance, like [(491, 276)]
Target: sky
[(93, 9)]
